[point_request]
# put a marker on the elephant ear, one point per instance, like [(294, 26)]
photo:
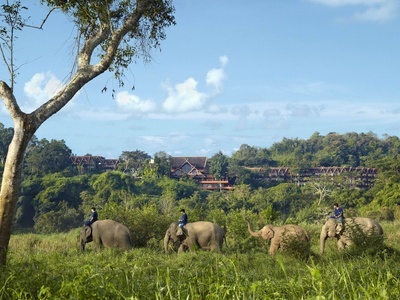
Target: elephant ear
[(88, 231), (271, 233)]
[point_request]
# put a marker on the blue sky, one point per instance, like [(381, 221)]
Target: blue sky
[(231, 72)]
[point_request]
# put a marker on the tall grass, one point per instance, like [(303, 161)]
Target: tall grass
[(51, 267)]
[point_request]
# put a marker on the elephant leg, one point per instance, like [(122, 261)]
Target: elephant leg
[(273, 248), (340, 244), (347, 242), (209, 247), (98, 244), (216, 248), (191, 243), (182, 248)]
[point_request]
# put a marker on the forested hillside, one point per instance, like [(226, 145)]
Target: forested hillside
[(56, 196)]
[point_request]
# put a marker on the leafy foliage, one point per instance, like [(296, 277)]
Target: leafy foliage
[(44, 199), (146, 223), (61, 220), (44, 157), (219, 165), (133, 162), (99, 17), (5, 139)]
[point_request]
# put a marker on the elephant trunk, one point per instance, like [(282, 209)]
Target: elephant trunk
[(322, 239), (82, 245), (166, 241), (255, 234)]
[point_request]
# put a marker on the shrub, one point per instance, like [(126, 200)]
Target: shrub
[(144, 223), (62, 220), (367, 243)]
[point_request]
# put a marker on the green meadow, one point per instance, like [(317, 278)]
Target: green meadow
[(51, 267)]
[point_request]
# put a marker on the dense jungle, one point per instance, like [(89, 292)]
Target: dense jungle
[(56, 197)]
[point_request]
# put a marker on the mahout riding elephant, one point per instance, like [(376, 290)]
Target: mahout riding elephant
[(346, 231), (107, 233), (284, 237), (203, 235)]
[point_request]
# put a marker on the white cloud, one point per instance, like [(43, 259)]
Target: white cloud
[(216, 109), (153, 139), (164, 142), (224, 60), (131, 103), (368, 10), (381, 13), (184, 97), (40, 89), (215, 76)]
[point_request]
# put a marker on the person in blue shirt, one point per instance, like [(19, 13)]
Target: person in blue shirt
[(94, 216), (337, 213), (182, 222)]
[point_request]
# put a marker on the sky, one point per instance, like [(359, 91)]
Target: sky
[(231, 72)]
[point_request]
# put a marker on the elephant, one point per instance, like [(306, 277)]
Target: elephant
[(283, 237), (344, 232), (203, 235), (107, 233)]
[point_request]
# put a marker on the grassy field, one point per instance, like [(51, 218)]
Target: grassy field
[(51, 267)]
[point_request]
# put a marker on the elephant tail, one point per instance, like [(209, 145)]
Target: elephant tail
[(224, 231), (226, 243), (308, 236), (130, 240)]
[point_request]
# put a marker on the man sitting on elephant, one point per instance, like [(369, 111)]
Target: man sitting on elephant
[(337, 213), (182, 222), (338, 216), (93, 217)]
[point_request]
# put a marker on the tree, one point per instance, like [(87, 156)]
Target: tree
[(59, 197), (44, 157), (117, 31), (133, 161), (162, 164), (252, 156), (219, 165), (323, 189)]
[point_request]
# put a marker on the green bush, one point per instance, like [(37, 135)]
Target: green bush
[(384, 214), (239, 238), (144, 223), (365, 243), (62, 220)]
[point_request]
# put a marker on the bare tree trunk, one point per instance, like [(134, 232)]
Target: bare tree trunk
[(10, 185)]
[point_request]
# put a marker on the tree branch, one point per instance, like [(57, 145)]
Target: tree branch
[(118, 35), (9, 100), (44, 20)]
